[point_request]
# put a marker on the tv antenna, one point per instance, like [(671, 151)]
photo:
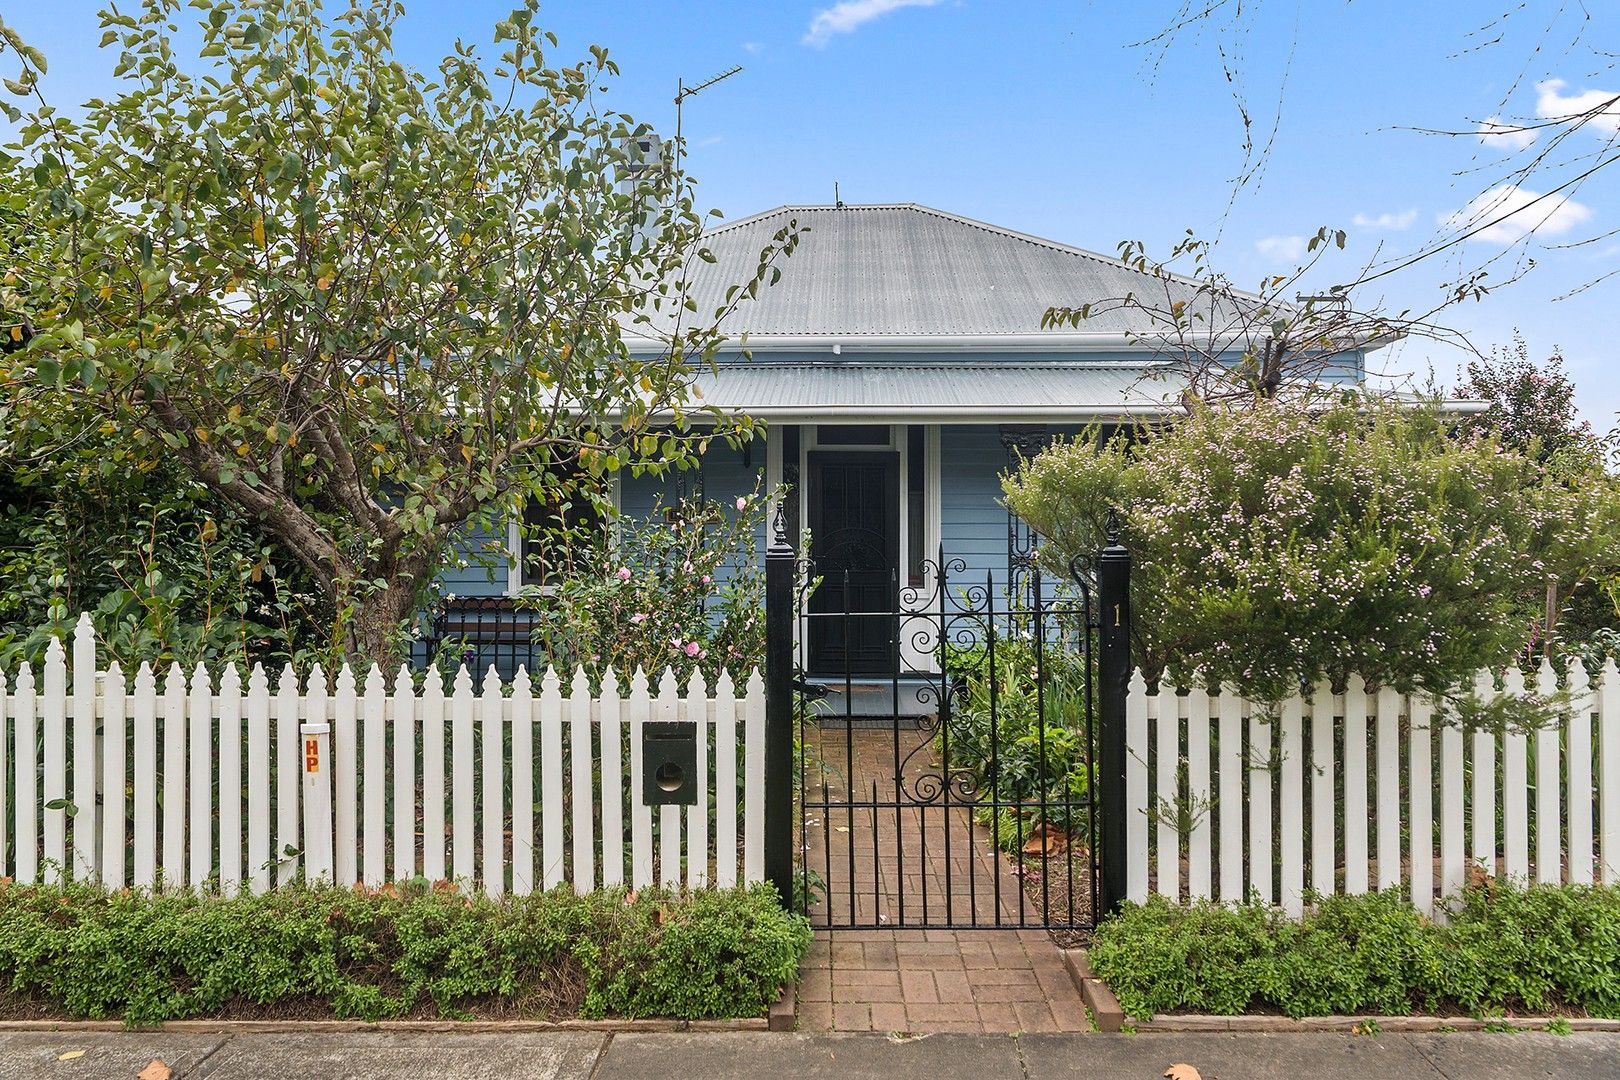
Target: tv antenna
[(682, 92)]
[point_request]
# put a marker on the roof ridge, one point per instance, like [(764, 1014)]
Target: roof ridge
[(975, 223)]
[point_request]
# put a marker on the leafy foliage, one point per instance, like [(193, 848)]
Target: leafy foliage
[(1531, 407), (1503, 949), (682, 588), (1021, 739), (169, 572), (1277, 545), (396, 951), (364, 306)]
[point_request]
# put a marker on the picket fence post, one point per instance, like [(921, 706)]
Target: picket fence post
[(490, 722), (611, 740), (1136, 808), (23, 707), (258, 794), (86, 772), (522, 784), (230, 781), (665, 710), (1579, 749), (53, 719), (114, 846), (1609, 770)]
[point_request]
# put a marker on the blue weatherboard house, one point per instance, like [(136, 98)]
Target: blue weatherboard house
[(901, 366)]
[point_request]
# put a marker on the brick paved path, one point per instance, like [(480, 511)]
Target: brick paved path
[(989, 981), (882, 866)]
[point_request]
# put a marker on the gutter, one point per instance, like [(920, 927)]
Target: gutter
[(978, 414)]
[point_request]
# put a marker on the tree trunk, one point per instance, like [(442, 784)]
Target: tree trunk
[(374, 634)]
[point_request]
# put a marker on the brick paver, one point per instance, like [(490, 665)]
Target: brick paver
[(989, 981), (911, 979)]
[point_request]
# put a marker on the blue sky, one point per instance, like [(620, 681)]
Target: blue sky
[(1042, 117)]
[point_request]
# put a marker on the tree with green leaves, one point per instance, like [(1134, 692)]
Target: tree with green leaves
[(1530, 407), (367, 306)]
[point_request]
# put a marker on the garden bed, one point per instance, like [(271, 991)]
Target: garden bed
[(422, 952), (1543, 956)]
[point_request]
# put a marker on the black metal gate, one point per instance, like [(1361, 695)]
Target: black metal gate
[(961, 785)]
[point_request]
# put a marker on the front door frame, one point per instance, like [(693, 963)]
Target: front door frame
[(918, 656), (816, 460)]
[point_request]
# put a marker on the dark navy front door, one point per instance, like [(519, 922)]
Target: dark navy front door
[(854, 503)]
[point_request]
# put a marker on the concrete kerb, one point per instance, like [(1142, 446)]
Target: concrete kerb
[(784, 1014), (1104, 1006), (386, 1027)]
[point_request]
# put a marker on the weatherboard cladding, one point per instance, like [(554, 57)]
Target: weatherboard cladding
[(980, 386), (904, 270)]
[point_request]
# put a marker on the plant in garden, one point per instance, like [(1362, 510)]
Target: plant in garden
[(1277, 545), (1501, 949), (366, 306), (389, 952), (681, 588), (170, 572), (1530, 407), (1020, 738)]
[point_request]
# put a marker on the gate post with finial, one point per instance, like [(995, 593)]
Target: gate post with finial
[(779, 567), (1113, 681)]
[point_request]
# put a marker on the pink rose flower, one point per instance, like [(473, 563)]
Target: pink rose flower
[(742, 502), (693, 648), (707, 579), (639, 617), (624, 573)]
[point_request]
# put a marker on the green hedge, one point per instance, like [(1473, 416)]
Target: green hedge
[(395, 952), (1503, 949)]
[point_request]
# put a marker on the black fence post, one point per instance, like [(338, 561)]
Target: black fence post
[(1113, 675), (779, 567)]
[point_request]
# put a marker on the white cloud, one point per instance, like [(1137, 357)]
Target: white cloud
[(753, 48), (1553, 104), (1494, 132), (1390, 221), (847, 16), (1281, 248), (710, 140), (1520, 212)]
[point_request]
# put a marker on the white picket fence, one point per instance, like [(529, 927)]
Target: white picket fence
[(207, 781), (1225, 797)]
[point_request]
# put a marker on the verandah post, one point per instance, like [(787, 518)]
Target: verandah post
[(1113, 679), (779, 560)]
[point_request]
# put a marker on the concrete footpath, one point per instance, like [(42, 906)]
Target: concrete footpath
[(720, 1056)]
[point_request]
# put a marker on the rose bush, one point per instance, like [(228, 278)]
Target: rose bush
[(681, 588)]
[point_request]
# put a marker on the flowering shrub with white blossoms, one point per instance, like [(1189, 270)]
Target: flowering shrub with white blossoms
[(1281, 543), (681, 588)]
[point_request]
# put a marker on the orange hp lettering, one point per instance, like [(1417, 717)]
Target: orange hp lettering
[(312, 755)]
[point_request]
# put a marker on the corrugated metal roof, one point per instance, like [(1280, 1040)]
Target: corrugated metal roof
[(908, 270), (963, 391)]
